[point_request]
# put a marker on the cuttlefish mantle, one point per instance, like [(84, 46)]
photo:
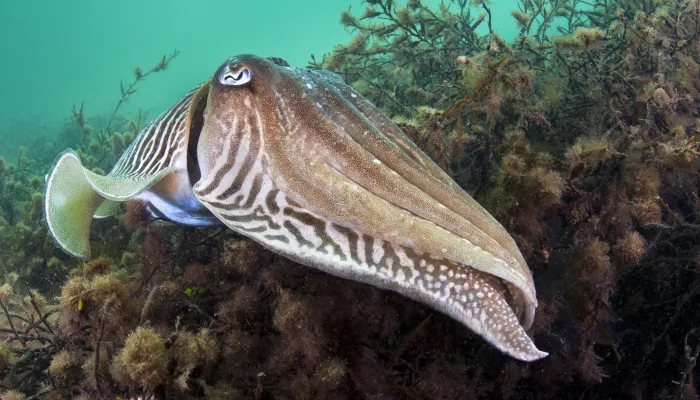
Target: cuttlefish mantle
[(157, 168), (302, 163)]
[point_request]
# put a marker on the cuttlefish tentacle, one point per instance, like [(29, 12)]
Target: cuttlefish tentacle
[(313, 178), (402, 167), (384, 143), (463, 204), (154, 168)]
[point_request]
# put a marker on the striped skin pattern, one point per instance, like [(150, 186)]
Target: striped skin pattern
[(300, 162), (159, 144), (163, 144)]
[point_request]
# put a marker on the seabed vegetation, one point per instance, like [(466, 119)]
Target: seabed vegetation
[(580, 136)]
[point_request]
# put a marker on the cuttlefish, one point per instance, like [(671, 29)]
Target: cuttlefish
[(300, 162)]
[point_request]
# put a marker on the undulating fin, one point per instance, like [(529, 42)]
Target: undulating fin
[(74, 195), (69, 204)]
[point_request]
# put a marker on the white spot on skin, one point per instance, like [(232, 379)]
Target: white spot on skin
[(308, 85), (376, 161), (319, 105), (390, 263), (404, 260), (353, 95), (377, 252), (400, 275), (388, 272)]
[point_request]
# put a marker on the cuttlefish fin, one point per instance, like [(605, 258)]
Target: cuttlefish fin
[(108, 208), (74, 195)]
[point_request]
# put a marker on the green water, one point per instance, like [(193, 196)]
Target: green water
[(56, 55), (60, 55)]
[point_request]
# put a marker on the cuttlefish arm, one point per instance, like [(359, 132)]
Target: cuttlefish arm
[(291, 161), (403, 159), (153, 168)]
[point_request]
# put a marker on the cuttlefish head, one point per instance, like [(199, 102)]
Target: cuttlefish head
[(300, 162)]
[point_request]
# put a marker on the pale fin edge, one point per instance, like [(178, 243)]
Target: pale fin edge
[(74, 195)]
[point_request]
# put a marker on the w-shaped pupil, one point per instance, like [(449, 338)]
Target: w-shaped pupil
[(237, 77)]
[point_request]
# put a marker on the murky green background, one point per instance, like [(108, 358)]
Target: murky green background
[(57, 54)]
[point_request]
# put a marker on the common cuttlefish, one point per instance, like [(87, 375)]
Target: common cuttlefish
[(300, 162)]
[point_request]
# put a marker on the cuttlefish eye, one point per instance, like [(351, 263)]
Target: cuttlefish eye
[(236, 77)]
